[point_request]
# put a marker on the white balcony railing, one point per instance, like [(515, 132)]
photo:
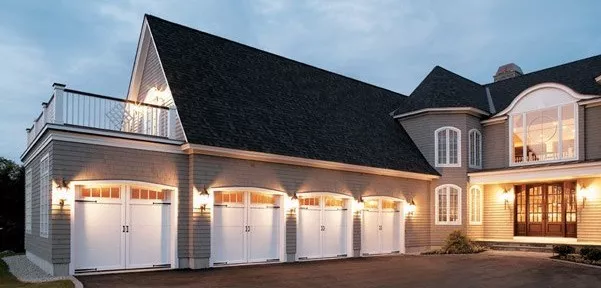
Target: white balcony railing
[(81, 109)]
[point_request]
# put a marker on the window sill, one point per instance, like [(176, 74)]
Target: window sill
[(448, 223), (448, 165)]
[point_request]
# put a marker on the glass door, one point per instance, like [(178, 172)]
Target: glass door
[(554, 213), (535, 210)]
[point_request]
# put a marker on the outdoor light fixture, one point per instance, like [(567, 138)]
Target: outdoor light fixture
[(583, 193), (507, 197), (411, 208), (62, 191), (203, 198), (358, 205), (292, 203)]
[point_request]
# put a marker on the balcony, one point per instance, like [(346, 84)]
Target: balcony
[(86, 110)]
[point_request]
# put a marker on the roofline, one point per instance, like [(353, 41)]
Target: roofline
[(275, 158), (469, 110), (494, 120), (591, 102), (531, 174), (598, 79)]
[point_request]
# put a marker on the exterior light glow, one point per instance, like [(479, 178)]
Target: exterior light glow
[(62, 192), (584, 193), (358, 205), (507, 196), (203, 199), (410, 208), (292, 203)]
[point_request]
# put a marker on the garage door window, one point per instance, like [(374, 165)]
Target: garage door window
[(141, 193), (229, 197), (311, 201), (101, 192), (334, 202), (371, 204), (387, 204), (262, 198)]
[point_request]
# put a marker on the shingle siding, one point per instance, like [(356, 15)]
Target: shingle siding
[(592, 133), (495, 146)]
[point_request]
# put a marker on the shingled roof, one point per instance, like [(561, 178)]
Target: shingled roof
[(445, 89), (234, 96)]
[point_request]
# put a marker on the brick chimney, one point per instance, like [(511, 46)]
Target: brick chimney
[(508, 71)]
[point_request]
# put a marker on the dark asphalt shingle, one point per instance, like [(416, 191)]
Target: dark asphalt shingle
[(235, 96)]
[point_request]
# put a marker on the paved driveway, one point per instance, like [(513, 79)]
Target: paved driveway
[(482, 270)]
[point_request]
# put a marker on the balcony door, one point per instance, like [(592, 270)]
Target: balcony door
[(545, 210)]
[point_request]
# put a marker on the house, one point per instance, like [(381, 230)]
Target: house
[(223, 154)]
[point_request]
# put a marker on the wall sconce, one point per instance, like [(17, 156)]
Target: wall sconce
[(358, 205), (507, 197), (410, 208), (203, 199), (584, 194), (292, 203), (62, 192)]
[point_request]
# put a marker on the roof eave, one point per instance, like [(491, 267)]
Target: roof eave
[(444, 110)]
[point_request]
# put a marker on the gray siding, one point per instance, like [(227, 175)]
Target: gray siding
[(495, 147), (76, 161), (212, 171), (35, 244), (421, 130), (290, 233), (592, 132)]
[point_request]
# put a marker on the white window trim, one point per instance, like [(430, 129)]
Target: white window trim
[(448, 151), (459, 204), (44, 197), (28, 200), (470, 138), (576, 137), (481, 203)]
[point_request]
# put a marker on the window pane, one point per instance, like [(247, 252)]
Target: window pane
[(453, 204), (478, 147), (518, 138), (568, 131), (442, 205), (442, 147), (452, 147)]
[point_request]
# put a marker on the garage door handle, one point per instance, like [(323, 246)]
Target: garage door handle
[(123, 229), (380, 227), (127, 229)]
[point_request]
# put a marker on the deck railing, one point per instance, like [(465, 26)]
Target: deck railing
[(82, 109)]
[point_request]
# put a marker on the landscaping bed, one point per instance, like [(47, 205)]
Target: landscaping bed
[(586, 255), (457, 243)]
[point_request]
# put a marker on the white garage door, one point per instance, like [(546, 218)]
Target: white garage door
[(121, 227), (322, 227), (246, 227), (381, 227)]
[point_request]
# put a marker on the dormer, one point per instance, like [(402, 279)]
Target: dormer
[(543, 125)]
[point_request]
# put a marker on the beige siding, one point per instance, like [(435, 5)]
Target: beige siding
[(498, 218), (589, 214), (211, 171)]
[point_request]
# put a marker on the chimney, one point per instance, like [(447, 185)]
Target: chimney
[(508, 71)]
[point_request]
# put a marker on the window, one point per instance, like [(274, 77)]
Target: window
[(44, 196), (448, 205), (104, 192), (28, 187), (229, 197), (475, 205), (308, 201), (447, 150), (475, 149), (334, 202), (544, 135)]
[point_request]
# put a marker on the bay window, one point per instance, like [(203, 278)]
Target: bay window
[(544, 135)]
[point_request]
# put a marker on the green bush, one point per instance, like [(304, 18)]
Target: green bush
[(593, 254), (563, 250), (584, 251), (457, 243)]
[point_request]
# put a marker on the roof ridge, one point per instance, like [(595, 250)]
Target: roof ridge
[(548, 68), (271, 53), (458, 75)]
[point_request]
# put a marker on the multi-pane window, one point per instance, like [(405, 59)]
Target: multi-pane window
[(28, 188), (308, 201), (475, 205), (544, 135), (447, 150), (475, 149), (44, 196), (229, 197), (448, 205)]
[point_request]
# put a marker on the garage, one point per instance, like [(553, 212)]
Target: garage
[(323, 226), (247, 227), (121, 227), (382, 223)]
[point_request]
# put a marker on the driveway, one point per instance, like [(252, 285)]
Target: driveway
[(482, 270)]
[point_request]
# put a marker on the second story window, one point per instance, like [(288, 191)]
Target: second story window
[(447, 147), (544, 135), (475, 149)]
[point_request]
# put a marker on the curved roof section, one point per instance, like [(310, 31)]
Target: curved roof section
[(234, 96)]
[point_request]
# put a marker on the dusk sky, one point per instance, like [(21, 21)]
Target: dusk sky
[(90, 45)]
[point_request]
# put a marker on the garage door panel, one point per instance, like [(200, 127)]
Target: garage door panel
[(263, 234), (388, 231), (148, 235), (309, 234), (229, 235), (334, 240), (99, 240), (371, 233)]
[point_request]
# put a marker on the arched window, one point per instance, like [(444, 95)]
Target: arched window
[(475, 149), (475, 200), (447, 147), (448, 205)]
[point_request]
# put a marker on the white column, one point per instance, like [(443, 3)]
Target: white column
[(59, 113)]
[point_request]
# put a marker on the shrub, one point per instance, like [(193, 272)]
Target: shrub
[(563, 250), (592, 254), (584, 251), (457, 243)]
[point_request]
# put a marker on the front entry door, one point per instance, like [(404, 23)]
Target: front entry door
[(545, 210)]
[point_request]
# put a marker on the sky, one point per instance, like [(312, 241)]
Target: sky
[(90, 45)]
